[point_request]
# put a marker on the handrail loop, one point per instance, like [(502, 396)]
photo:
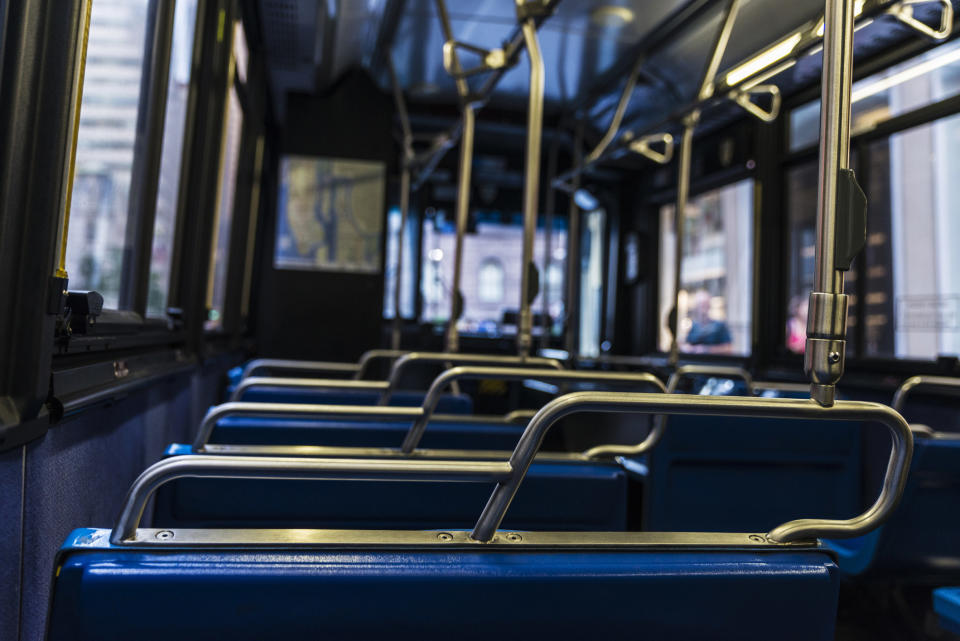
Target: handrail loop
[(903, 11), (744, 98), (773, 408), (430, 401)]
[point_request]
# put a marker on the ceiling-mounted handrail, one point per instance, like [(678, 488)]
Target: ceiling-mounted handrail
[(512, 49), (744, 98), (763, 65), (903, 12)]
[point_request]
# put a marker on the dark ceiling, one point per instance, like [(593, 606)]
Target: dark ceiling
[(588, 46)]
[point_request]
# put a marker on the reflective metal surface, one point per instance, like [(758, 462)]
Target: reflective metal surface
[(254, 382), (801, 529), (441, 383), (940, 385), (198, 466)]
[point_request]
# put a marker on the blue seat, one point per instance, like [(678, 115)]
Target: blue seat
[(448, 404), (103, 591), (719, 474), (921, 541), (241, 430), (554, 496), (946, 603)]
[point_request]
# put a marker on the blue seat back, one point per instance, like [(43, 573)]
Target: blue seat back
[(921, 541), (722, 474), (554, 496), (338, 433), (448, 404), (946, 603), (103, 592)]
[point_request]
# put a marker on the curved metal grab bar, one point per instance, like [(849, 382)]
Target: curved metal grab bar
[(372, 355), (941, 385), (642, 146), (246, 467), (464, 359), (440, 383), (744, 98), (308, 383), (721, 371), (903, 11), (307, 366), (798, 530), (289, 410)]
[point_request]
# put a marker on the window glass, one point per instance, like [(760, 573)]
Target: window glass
[(716, 273), (591, 281), (497, 238), (923, 80), (97, 246), (801, 199), (913, 266), (178, 87), (223, 221), (407, 274)]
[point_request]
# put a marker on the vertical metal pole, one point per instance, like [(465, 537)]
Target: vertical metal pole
[(572, 307), (683, 192), (827, 319), (463, 183), (405, 159), (548, 244), (686, 153), (463, 215), (531, 186)]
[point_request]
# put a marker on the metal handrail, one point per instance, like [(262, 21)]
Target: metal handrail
[(308, 366), (245, 467), (372, 355), (308, 383), (296, 410), (903, 11), (449, 359), (432, 398), (775, 408), (719, 371), (941, 385)]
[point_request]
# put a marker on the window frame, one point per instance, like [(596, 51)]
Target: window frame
[(857, 362)]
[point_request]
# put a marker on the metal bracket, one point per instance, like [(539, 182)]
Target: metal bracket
[(643, 147), (851, 220), (745, 98), (492, 59), (903, 11), (533, 9)]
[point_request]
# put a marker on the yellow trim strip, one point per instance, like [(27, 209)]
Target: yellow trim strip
[(77, 98)]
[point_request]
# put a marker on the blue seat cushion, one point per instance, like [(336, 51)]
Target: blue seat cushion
[(553, 496), (339, 433), (396, 594), (448, 404), (946, 603)]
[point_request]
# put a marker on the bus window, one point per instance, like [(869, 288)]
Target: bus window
[(178, 86), (912, 264), (716, 274), (98, 246), (226, 190)]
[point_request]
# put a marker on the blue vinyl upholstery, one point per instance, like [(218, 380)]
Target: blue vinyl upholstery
[(448, 404), (554, 496), (921, 541), (749, 475), (946, 603), (103, 592), (339, 433)]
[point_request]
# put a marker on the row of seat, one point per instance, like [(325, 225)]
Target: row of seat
[(586, 566)]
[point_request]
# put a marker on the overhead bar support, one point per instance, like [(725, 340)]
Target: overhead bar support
[(529, 283), (827, 318)]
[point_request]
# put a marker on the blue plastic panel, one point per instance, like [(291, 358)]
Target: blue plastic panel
[(946, 603), (749, 475), (920, 541), (553, 496), (487, 594)]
